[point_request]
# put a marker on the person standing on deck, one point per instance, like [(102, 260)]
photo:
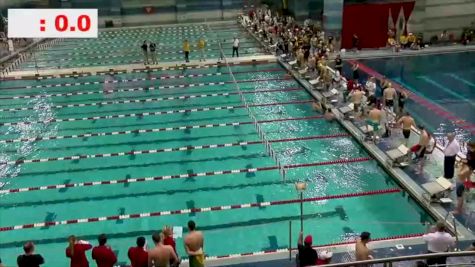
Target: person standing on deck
[(450, 153), (236, 46), (76, 251), (103, 254), (438, 240), (153, 53), (138, 255), (201, 48), (374, 120), (362, 252), (145, 52), (339, 64), (406, 122), (389, 95), (186, 50), (161, 255), (307, 255), (194, 243), (29, 259)]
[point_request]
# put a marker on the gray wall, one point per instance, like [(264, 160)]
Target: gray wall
[(431, 17)]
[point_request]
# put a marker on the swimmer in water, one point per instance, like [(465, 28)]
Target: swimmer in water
[(317, 106), (329, 116)]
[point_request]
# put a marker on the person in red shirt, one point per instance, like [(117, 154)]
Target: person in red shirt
[(77, 252), (138, 255), (169, 240), (102, 254)]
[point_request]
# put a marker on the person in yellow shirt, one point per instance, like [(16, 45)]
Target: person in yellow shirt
[(403, 40), (201, 48), (391, 42), (186, 50), (411, 38)]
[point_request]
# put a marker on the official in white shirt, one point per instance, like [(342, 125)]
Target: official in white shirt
[(438, 241), (450, 153), (236, 46)]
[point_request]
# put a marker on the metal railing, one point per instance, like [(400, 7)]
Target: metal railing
[(405, 258), (262, 135)]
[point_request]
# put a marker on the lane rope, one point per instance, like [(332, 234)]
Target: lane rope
[(155, 130), (146, 114), (137, 89), (167, 77), (270, 151), (197, 210), (149, 100), (173, 149), (183, 176)]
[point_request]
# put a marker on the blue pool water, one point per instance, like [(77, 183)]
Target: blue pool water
[(446, 80)]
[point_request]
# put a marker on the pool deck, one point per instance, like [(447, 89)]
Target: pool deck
[(388, 52), (130, 68)]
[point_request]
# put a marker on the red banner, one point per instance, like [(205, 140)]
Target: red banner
[(370, 22)]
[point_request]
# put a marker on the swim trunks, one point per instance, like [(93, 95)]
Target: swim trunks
[(389, 102), (415, 148), (373, 124), (406, 133), (197, 261)]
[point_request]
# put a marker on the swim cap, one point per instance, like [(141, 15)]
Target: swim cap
[(308, 239)]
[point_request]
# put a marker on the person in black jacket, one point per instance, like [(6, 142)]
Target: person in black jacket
[(29, 259), (144, 47)]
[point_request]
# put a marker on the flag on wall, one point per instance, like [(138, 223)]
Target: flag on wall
[(148, 10)]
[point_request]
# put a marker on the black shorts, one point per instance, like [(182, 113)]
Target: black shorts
[(422, 154), (389, 102), (460, 189), (406, 133)]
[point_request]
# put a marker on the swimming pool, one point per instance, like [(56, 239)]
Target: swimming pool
[(447, 81), (126, 154), (123, 46)]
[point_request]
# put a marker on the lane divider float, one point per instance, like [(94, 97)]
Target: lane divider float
[(183, 176), (155, 130), (150, 100), (173, 149), (197, 210), (149, 88), (166, 77), (146, 114)]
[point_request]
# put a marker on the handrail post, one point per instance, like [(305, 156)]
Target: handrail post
[(456, 234), (290, 240)]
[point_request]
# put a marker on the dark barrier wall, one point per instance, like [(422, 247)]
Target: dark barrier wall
[(372, 21)]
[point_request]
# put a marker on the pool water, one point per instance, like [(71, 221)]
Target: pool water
[(123, 46), (228, 231), (446, 80), (109, 145)]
